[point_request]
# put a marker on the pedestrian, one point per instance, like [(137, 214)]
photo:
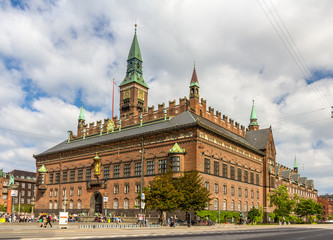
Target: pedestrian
[(48, 220)]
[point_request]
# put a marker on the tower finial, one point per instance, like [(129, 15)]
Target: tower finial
[(194, 64), (135, 25)]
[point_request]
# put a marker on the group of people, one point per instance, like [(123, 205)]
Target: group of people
[(16, 217), (45, 220)]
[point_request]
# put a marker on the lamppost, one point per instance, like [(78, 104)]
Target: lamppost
[(65, 201), (32, 202), (12, 187), (142, 182)]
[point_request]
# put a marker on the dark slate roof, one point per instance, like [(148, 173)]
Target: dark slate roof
[(185, 119), (285, 174), (310, 183), (303, 180), (295, 177), (277, 168), (258, 138)]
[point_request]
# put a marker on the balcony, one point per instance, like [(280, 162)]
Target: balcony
[(96, 184)]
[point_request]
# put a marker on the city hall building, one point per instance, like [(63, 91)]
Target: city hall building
[(99, 168)]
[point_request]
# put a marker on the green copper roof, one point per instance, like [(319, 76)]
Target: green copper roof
[(295, 163), (253, 117), (81, 116), (134, 65), (176, 149), (194, 79), (42, 169)]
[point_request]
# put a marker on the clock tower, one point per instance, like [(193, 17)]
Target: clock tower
[(133, 89)]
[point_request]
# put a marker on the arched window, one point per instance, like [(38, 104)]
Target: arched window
[(115, 203), (239, 206), (257, 205), (50, 205), (216, 204), (71, 204), (232, 207), (225, 205), (251, 205), (126, 203), (137, 204), (79, 204), (55, 205), (245, 207)]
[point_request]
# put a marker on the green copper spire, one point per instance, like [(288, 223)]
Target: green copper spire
[(42, 169), (295, 163), (253, 117), (194, 79), (134, 65), (177, 149), (81, 116)]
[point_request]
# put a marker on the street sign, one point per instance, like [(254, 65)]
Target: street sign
[(63, 217), (143, 205), (105, 199), (142, 196), (14, 193)]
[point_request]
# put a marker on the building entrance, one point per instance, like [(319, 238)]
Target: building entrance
[(96, 203)]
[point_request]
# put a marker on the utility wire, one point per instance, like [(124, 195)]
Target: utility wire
[(32, 134)]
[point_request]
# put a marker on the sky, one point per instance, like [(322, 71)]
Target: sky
[(57, 55)]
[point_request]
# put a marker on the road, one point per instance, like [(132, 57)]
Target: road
[(296, 232)]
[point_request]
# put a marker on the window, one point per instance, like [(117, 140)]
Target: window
[(23, 185), (106, 172), (22, 200), (137, 204), (239, 206), (115, 203), (51, 192), (162, 166), (15, 200), (257, 194), (71, 204), (126, 203), (50, 179), (88, 174), (232, 206), (216, 188), (239, 192), (207, 185), (55, 206), (28, 201), (252, 205), (72, 175), (80, 175), (232, 191), (79, 191), (56, 192), (71, 191), (126, 188), (252, 193), (29, 194), (207, 165), (245, 207), (272, 181), (138, 169), (116, 171), (216, 204), (257, 179), (116, 189), (64, 176), (252, 177), (239, 174), (50, 205), (224, 205), (4, 196), (127, 170), (137, 188), (175, 164), (225, 189), (79, 204), (41, 178), (64, 192), (22, 193), (245, 192), (57, 177), (150, 167), (29, 185), (225, 170), (216, 168), (246, 176), (232, 172)]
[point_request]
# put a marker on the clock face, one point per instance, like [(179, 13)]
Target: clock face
[(141, 95), (127, 94)]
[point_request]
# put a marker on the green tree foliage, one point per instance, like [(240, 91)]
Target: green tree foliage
[(215, 217), (3, 208), (307, 208), (162, 194), (284, 204), (193, 195), (254, 215)]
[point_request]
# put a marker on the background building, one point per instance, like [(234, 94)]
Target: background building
[(327, 203), (104, 159)]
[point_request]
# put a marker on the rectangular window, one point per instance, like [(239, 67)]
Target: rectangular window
[(232, 191), (216, 188), (64, 192), (252, 177), (175, 164), (29, 194), (71, 191), (207, 165), (257, 194), (79, 191), (116, 189), (245, 193), (29, 185), (150, 167), (239, 174), (56, 192), (72, 175), (272, 181), (88, 174), (246, 176), (50, 179), (252, 193), (51, 192), (137, 188), (126, 188), (127, 170), (207, 185), (232, 172), (137, 169), (225, 170), (80, 175), (23, 185), (216, 168), (257, 179), (225, 189), (64, 176), (106, 172), (162, 166), (116, 171), (22, 200), (239, 192), (57, 178)]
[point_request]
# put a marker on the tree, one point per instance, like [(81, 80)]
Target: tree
[(308, 207), (284, 204), (162, 195), (193, 195), (254, 215), (3, 208)]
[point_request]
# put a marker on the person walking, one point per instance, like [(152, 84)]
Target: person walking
[(48, 220)]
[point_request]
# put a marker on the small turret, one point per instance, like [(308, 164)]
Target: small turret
[(81, 119), (295, 166), (253, 120), (194, 85)]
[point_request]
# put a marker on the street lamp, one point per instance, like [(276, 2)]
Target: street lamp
[(65, 201), (13, 187)]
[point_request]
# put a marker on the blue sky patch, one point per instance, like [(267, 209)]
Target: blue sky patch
[(101, 25), (19, 4), (32, 93), (281, 99), (318, 75), (11, 63)]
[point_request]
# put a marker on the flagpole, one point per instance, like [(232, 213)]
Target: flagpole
[(112, 97)]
